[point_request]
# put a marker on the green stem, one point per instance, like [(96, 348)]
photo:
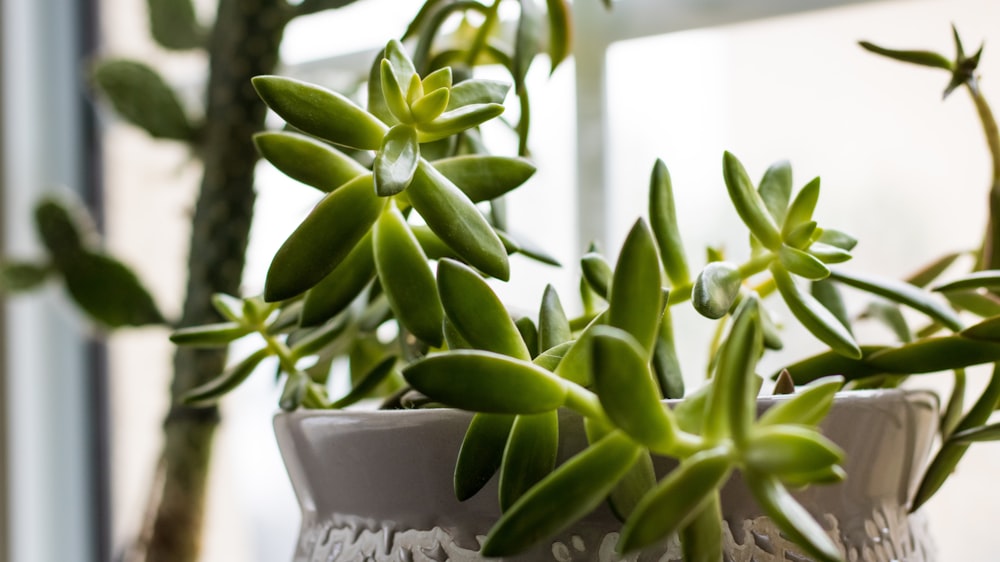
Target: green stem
[(483, 33), (990, 252)]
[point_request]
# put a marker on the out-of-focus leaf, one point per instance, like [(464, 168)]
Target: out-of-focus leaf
[(978, 434), (903, 293), (407, 278), (639, 480), (828, 253), (553, 326), (890, 316), (174, 25), (321, 112), (139, 94), (701, 538), (529, 335), (108, 291), (481, 453), (989, 279), (597, 273), (210, 392), (476, 92), (984, 305), (716, 288), (457, 221), (340, 287), (573, 490), (935, 354), (838, 239), (923, 58), (324, 239), (476, 311), (308, 161), (635, 296), (20, 276), (487, 382), (626, 388), (527, 40), (560, 42), (209, 335), (368, 383), (793, 520), (484, 177), (956, 403), (748, 203), (663, 220), (677, 499), (930, 272), (530, 455)]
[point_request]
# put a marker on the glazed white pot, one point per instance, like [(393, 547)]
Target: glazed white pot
[(377, 485)]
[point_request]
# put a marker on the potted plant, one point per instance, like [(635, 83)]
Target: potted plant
[(569, 424)]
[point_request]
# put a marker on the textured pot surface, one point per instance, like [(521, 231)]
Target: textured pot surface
[(378, 486)]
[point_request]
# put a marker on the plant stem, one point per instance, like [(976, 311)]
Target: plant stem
[(244, 43), (483, 33), (990, 252)]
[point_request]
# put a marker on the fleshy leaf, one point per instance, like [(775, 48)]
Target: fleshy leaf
[(663, 219), (484, 177), (635, 300), (814, 316), (139, 94), (210, 392), (487, 382), (748, 203), (324, 239), (903, 293), (530, 455), (476, 311), (340, 287), (715, 289), (481, 453), (396, 161), (308, 161), (793, 520), (406, 277)]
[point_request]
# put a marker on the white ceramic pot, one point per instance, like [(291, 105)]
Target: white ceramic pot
[(377, 485)]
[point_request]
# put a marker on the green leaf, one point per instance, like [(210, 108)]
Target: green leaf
[(789, 449), (837, 239), (814, 316), (573, 490), (828, 295), (335, 292), (139, 94), (311, 341), (576, 363), (481, 453), (210, 335), (294, 391), (597, 273), (321, 112), (934, 354), (663, 219), (108, 291), (368, 382), (903, 293), (801, 210), (457, 120), (308, 161), (988, 330), (828, 253), (730, 407), (228, 306), (407, 278), (635, 295), (793, 520), (715, 289), (923, 58), (626, 388), (174, 25), (485, 177), (801, 237), (776, 190), (985, 305), (440, 78), (630, 490), (553, 326), (476, 311), (952, 414), (64, 227), (560, 41), (952, 451), (928, 273), (666, 365), (431, 105), (677, 499), (210, 392), (802, 264), (487, 382), (527, 41), (457, 221), (890, 316), (808, 406), (530, 455), (477, 92), (396, 161), (324, 239), (529, 335), (989, 279), (393, 94), (701, 538), (20, 276), (748, 203)]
